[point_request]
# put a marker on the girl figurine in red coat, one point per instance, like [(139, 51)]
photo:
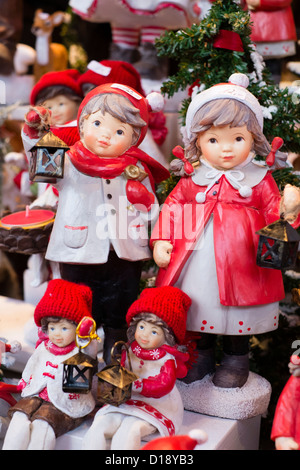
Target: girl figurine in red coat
[(286, 428), (205, 241), (156, 323)]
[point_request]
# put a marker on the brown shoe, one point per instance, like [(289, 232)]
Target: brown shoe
[(232, 372)]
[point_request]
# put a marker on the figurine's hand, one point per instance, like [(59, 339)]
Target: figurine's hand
[(252, 4), (15, 347), (37, 122), (294, 365), (290, 203), (286, 443), (162, 253)]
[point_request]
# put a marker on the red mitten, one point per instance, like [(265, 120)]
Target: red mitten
[(86, 327), (139, 196), (37, 122)]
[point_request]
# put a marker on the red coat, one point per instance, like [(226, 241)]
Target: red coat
[(236, 219), (273, 21), (286, 421)]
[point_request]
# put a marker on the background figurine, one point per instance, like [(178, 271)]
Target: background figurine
[(156, 323), (285, 430), (194, 242), (135, 26), (106, 201), (60, 93), (272, 43), (50, 56), (44, 411)]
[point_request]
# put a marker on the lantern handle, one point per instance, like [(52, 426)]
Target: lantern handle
[(127, 350), (86, 330)]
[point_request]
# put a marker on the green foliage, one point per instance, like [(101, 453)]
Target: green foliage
[(200, 63)]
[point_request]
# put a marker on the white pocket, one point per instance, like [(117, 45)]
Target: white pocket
[(75, 236)]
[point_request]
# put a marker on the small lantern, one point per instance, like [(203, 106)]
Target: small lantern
[(78, 373), (79, 369), (47, 159), (277, 246), (115, 381)]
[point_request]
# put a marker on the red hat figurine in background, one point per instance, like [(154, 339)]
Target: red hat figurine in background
[(110, 71), (64, 78)]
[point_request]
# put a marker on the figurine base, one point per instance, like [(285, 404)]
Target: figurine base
[(246, 402)]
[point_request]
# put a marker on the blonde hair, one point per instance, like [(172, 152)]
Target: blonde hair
[(222, 112), (117, 106)]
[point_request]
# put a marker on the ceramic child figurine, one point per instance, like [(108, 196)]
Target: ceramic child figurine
[(44, 411), (273, 44), (109, 71), (135, 25), (205, 241), (285, 430), (156, 322), (106, 200), (60, 93)]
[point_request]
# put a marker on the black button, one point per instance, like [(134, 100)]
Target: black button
[(107, 181), (113, 211), (109, 196), (215, 193), (217, 182)]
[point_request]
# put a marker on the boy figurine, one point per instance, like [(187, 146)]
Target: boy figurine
[(106, 201)]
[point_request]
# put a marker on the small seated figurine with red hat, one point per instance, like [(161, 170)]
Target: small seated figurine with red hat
[(106, 203), (156, 324), (59, 93), (44, 411)]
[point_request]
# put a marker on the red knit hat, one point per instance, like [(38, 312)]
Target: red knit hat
[(64, 299), (153, 102), (109, 71), (169, 303), (68, 78)]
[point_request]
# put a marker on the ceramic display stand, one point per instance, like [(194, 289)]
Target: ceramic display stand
[(16, 323), (237, 403)]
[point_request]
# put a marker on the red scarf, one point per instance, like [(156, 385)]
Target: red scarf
[(155, 354), (90, 164), (58, 351)]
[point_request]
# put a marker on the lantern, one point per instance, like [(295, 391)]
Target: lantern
[(277, 246), (115, 381), (47, 159), (79, 369)]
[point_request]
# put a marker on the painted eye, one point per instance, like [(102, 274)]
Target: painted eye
[(239, 139), (120, 132), (212, 140), (154, 332), (97, 123)]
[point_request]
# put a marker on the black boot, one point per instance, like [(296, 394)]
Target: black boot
[(111, 336), (205, 364), (234, 368), (150, 65), (232, 372), (205, 359)]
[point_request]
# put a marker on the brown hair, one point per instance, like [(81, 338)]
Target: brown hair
[(117, 106), (222, 112), (46, 320), (52, 91), (151, 318)]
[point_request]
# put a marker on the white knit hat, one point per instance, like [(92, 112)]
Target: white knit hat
[(235, 89)]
